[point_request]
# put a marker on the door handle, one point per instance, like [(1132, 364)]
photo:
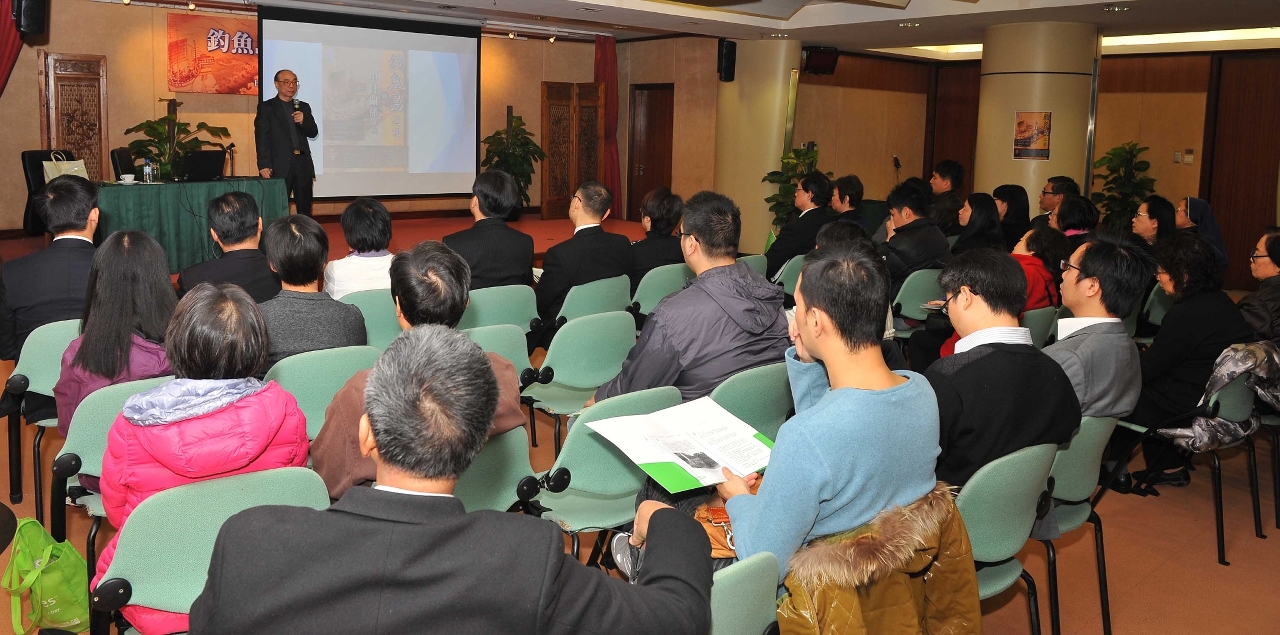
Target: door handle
[(640, 170)]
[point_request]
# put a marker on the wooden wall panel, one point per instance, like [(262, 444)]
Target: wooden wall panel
[(955, 118), (874, 73), (1154, 74)]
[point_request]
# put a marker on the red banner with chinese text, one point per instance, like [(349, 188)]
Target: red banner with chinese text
[(213, 54)]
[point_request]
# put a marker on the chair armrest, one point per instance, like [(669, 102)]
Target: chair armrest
[(17, 384), (67, 465), (111, 595)]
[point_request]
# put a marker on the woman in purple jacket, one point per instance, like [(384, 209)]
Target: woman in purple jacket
[(126, 310)]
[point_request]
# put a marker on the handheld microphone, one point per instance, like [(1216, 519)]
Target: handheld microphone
[(295, 104)]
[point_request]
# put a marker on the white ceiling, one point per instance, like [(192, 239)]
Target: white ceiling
[(851, 25)]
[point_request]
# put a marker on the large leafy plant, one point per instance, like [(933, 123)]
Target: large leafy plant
[(795, 164), (1125, 183), (513, 151), (166, 139)]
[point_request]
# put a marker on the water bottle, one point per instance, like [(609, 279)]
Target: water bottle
[(147, 176)]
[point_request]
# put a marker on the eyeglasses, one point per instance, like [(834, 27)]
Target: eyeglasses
[(1142, 214), (1066, 265), (680, 234), (1046, 193), (1254, 255), (946, 302), (288, 82)]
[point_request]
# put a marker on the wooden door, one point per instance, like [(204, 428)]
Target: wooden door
[(1244, 156), (73, 108), (572, 129), (955, 119), (649, 160)]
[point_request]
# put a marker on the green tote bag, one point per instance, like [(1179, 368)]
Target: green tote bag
[(55, 575)]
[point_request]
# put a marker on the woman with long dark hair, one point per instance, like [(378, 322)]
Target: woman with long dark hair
[(980, 224), (126, 310), (1015, 213)]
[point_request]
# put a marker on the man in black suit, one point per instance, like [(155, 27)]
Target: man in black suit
[(405, 557), (944, 208), (497, 254), (813, 195), (281, 129), (591, 254), (236, 226)]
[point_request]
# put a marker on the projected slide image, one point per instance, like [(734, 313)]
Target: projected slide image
[(365, 109)]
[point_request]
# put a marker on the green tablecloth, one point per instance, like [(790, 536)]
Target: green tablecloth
[(174, 213)]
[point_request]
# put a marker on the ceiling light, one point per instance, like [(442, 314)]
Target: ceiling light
[(693, 22), (511, 34), (619, 26), (1115, 8), (191, 6), (552, 39), (125, 1), (446, 7), (590, 9), (908, 25)]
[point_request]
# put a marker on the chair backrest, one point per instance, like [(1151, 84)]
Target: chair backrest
[(871, 214), (93, 418), (952, 240), (760, 396), (1076, 463), (491, 479), (744, 596), (33, 166), (314, 377), (381, 325), (596, 465), (121, 161), (511, 304), (919, 287), (791, 274), (1235, 400), (1131, 320), (1063, 312), (601, 296), (998, 504), (659, 283), (164, 548), (589, 351), (757, 262), (506, 340), (1158, 304), (1040, 323), (41, 360)]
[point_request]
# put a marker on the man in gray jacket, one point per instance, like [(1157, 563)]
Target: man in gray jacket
[(727, 320), (1103, 281)]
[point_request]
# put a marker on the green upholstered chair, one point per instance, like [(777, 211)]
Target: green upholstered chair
[(379, 309), (744, 596), (760, 396), (508, 341), (513, 304), (757, 262), (491, 479), (919, 287), (1040, 322), (790, 275), (659, 283), (314, 377), (601, 296)]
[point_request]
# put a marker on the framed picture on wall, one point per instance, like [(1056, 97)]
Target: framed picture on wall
[(1031, 135)]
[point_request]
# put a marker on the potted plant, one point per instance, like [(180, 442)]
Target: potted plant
[(513, 151), (166, 139), (1125, 184), (795, 164)]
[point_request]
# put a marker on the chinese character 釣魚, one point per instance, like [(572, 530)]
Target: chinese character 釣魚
[(219, 40), (242, 44)]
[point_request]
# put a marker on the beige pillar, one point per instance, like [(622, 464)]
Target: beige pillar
[(1035, 67), (751, 117)]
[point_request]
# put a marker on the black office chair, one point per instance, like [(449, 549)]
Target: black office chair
[(122, 162), (33, 170)]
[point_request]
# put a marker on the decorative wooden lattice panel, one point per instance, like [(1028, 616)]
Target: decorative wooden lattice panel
[(73, 108), (572, 124)]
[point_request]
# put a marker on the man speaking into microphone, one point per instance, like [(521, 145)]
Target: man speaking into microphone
[(281, 128)]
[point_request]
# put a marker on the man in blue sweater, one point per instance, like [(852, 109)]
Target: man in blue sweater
[(864, 438)]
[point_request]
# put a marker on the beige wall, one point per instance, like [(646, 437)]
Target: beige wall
[(1164, 122), (859, 130)]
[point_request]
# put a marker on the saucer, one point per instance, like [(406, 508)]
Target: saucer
[(127, 182)]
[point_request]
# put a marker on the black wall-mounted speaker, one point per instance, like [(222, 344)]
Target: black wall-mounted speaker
[(727, 59), (820, 60), (30, 16)]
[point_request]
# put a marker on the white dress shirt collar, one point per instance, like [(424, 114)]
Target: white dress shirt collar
[(807, 211), (582, 227), (994, 335), (1068, 326), (75, 237), (397, 490)]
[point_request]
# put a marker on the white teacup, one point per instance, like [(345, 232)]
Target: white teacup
[(127, 178)]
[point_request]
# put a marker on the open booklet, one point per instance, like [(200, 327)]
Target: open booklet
[(684, 447)]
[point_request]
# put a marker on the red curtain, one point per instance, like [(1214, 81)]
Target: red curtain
[(11, 45), (607, 74)]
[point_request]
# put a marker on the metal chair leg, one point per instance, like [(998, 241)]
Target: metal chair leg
[(1102, 572), (35, 467), (1033, 606), (573, 537), (597, 549), (1275, 469), (58, 508), (91, 547), (557, 433), (15, 458), (1252, 455), (533, 428), (1055, 625), (1216, 470)]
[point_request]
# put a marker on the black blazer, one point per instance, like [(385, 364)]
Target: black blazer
[(796, 238), (497, 254), (384, 562), (271, 132), (47, 286), (1177, 365), (247, 268), (591, 254), (654, 251)]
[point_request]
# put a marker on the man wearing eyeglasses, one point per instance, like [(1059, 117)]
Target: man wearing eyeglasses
[(1051, 196), (281, 129)]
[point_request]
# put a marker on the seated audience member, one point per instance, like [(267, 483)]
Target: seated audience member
[(659, 214), (1155, 219), (727, 320), (497, 254), (846, 198), (1076, 217), (1261, 309), (127, 309), (429, 284), (591, 254), (1195, 216), (214, 420), (915, 184), (979, 224), (50, 285), (1015, 219), (1202, 322), (405, 557), (864, 438), (1055, 191), (838, 233), (813, 195), (236, 226), (301, 318), (945, 204), (366, 226), (1101, 283), (985, 291), (914, 241)]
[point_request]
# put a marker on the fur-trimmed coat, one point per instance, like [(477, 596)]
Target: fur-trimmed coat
[(909, 571)]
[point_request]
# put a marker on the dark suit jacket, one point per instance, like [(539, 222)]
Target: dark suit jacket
[(796, 238), (654, 251), (47, 286), (591, 254), (247, 268), (384, 562), (497, 254), (270, 130)]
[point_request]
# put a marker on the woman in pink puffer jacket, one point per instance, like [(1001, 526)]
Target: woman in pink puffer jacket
[(214, 420)]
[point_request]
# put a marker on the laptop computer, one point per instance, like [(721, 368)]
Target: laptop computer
[(203, 165)]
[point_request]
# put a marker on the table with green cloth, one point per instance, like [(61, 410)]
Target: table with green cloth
[(174, 212)]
